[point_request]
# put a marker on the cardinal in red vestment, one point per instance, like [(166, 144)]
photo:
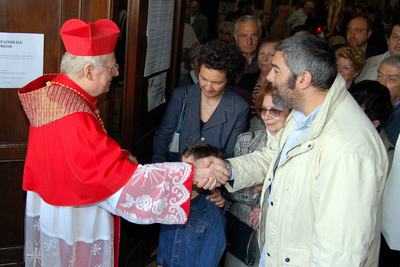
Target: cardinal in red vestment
[(78, 180)]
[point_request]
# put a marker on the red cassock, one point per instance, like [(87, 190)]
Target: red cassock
[(77, 176)]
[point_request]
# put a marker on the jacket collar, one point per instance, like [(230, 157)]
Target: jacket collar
[(57, 78), (336, 94), (225, 106)]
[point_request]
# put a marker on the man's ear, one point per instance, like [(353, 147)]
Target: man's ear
[(88, 70), (304, 80)]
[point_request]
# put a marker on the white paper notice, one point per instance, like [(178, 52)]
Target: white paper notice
[(21, 58), (156, 91), (159, 36)]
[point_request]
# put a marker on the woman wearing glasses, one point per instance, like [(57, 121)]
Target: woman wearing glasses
[(244, 204)]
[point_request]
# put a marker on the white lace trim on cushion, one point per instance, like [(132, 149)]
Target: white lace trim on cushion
[(155, 194)]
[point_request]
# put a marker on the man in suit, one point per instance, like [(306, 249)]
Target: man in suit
[(198, 21), (370, 69), (247, 33), (358, 32), (389, 76)]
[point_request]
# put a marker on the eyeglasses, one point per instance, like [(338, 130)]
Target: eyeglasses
[(113, 69), (243, 36), (273, 111), (357, 30)]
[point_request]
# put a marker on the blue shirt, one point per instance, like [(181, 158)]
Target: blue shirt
[(302, 128)]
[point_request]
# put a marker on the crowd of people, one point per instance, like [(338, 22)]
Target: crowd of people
[(279, 147), (322, 162)]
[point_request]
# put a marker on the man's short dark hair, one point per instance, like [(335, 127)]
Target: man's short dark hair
[(374, 99), (199, 151), (390, 28), (308, 52), (369, 24)]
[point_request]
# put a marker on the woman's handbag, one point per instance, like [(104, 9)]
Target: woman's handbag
[(173, 147), (241, 239)]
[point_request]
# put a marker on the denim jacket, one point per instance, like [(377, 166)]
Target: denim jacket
[(200, 242)]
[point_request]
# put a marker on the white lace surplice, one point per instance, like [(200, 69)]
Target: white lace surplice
[(84, 236)]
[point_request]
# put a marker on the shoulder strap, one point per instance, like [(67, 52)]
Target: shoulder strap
[(178, 128)]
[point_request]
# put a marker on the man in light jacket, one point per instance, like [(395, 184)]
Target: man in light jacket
[(322, 194), (370, 69)]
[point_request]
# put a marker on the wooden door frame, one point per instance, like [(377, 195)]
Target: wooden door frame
[(135, 82)]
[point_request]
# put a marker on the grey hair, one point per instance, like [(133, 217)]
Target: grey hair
[(392, 61), (308, 52), (73, 65), (247, 19)]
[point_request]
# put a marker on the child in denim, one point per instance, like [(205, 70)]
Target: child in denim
[(201, 241)]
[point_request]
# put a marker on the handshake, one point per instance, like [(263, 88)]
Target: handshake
[(210, 172)]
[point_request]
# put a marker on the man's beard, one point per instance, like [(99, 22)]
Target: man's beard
[(285, 96), (353, 42), (280, 103)]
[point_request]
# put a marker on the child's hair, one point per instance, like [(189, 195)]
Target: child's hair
[(374, 99), (199, 151)]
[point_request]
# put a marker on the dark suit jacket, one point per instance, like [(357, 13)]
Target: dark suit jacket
[(200, 26), (392, 125), (372, 50), (222, 129)]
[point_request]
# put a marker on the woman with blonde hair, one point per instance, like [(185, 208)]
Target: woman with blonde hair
[(350, 61)]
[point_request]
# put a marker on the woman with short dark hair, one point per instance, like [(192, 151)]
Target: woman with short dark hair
[(209, 112)]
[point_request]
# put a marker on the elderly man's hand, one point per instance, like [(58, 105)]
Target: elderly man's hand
[(210, 172)]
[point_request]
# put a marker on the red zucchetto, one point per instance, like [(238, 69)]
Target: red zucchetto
[(89, 39)]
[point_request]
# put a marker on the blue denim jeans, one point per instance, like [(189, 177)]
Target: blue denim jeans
[(198, 243)]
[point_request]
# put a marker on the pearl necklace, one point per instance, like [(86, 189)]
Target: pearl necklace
[(92, 106)]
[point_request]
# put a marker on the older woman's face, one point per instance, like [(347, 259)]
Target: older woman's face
[(346, 69), (273, 117), (265, 54), (212, 82)]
